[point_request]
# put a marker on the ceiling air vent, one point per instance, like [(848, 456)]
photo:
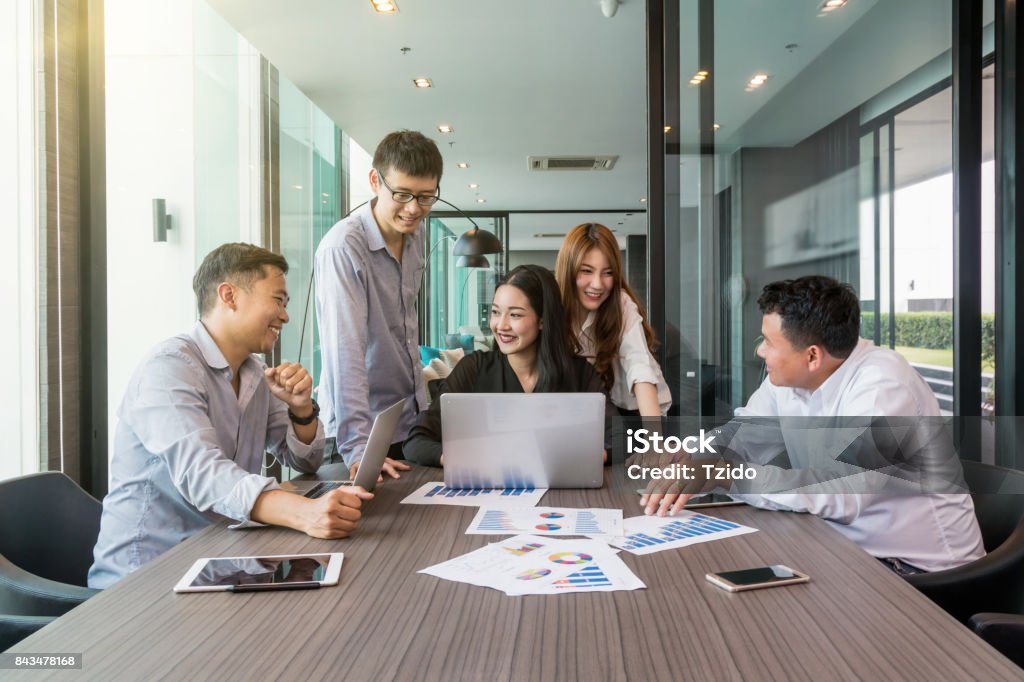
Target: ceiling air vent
[(580, 163)]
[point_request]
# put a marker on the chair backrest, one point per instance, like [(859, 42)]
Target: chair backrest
[(998, 495), (48, 526)]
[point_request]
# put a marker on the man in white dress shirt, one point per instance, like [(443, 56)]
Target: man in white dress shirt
[(819, 368)]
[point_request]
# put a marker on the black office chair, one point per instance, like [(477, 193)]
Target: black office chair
[(1004, 631), (48, 526), (994, 583)]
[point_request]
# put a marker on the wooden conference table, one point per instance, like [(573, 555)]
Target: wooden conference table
[(855, 619)]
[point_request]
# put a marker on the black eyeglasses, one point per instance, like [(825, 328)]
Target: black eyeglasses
[(406, 197)]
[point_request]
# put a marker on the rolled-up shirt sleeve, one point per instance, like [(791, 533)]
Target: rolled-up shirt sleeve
[(170, 416), (637, 363)]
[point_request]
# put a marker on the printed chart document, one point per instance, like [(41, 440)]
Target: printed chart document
[(649, 534), (531, 564), (547, 521), (439, 493)]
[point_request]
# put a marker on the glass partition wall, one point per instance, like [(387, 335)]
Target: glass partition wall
[(455, 300), (803, 140)]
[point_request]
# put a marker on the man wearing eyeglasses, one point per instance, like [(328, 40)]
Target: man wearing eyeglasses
[(368, 271)]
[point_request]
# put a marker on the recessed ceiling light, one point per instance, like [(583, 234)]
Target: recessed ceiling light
[(462, 165), (832, 4), (385, 6), (445, 129), (702, 74), (716, 126), (668, 129), (473, 185), (758, 80), (481, 201), (422, 83), (296, 186), (643, 200), (695, 81)]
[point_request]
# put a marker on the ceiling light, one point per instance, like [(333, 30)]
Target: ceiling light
[(668, 129), (703, 74), (296, 186), (832, 4), (757, 81), (423, 83), (643, 200), (473, 185), (445, 129), (385, 6), (481, 201), (695, 81), (716, 126), (462, 165)]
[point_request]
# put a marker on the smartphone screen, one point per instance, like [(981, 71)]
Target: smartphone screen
[(758, 576)]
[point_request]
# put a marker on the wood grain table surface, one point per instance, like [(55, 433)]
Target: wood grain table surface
[(854, 620)]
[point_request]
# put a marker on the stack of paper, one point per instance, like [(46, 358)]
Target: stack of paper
[(530, 564), (547, 521)]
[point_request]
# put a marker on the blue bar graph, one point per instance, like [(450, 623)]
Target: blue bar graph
[(586, 523), (591, 576), (445, 491), (694, 526)]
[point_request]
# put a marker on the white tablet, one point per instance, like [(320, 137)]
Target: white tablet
[(262, 573)]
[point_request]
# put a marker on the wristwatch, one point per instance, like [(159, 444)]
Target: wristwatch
[(305, 421)]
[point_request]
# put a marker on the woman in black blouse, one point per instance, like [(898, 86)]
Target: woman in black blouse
[(534, 356)]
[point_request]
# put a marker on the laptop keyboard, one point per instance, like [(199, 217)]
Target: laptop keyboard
[(324, 487)]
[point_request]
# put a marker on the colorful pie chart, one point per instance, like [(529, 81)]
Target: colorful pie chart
[(548, 526), (552, 515), (533, 574), (571, 558)]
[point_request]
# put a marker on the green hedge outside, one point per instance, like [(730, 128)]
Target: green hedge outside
[(929, 330)]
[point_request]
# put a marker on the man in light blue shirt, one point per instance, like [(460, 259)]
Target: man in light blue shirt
[(197, 417), (368, 271)]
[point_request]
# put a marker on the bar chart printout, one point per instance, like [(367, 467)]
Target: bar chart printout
[(440, 494), (649, 534), (530, 564), (547, 521)]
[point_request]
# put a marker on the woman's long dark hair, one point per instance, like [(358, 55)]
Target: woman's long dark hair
[(554, 345)]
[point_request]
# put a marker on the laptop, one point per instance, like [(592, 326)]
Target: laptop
[(377, 446), (523, 440)]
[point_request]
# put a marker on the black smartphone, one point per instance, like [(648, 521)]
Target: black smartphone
[(757, 578)]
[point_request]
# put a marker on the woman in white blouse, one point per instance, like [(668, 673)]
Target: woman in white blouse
[(608, 322)]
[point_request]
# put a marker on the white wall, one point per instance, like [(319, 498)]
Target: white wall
[(150, 128), (19, 392), (182, 125)]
